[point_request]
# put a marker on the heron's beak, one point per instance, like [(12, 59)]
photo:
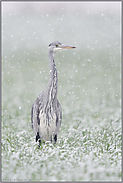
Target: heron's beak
[(66, 47)]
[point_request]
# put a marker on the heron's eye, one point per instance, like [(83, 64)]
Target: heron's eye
[(56, 46)]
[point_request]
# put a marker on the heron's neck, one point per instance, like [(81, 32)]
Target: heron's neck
[(53, 81)]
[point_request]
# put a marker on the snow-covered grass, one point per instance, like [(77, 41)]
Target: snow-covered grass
[(89, 143), (80, 154)]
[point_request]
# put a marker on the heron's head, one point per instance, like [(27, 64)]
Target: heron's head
[(56, 46)]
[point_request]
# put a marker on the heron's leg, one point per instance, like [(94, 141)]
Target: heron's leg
[(55, 139), (39, 144), (37, 136)]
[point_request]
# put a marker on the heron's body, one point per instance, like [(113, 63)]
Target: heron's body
[(46, 114)]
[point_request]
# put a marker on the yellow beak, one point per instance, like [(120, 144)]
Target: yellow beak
[(66, 47)]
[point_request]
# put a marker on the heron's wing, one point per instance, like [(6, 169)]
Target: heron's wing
[(59, 117), (60, 112), (36, 107)]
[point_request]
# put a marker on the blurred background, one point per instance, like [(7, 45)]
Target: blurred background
[(89, 86), (89, 76)]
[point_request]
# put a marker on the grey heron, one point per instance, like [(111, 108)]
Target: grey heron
[(46, 113)]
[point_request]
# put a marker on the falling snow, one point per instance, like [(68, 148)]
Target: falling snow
[(89, 77)]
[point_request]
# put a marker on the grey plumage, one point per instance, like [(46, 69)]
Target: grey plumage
[(46, 113)]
